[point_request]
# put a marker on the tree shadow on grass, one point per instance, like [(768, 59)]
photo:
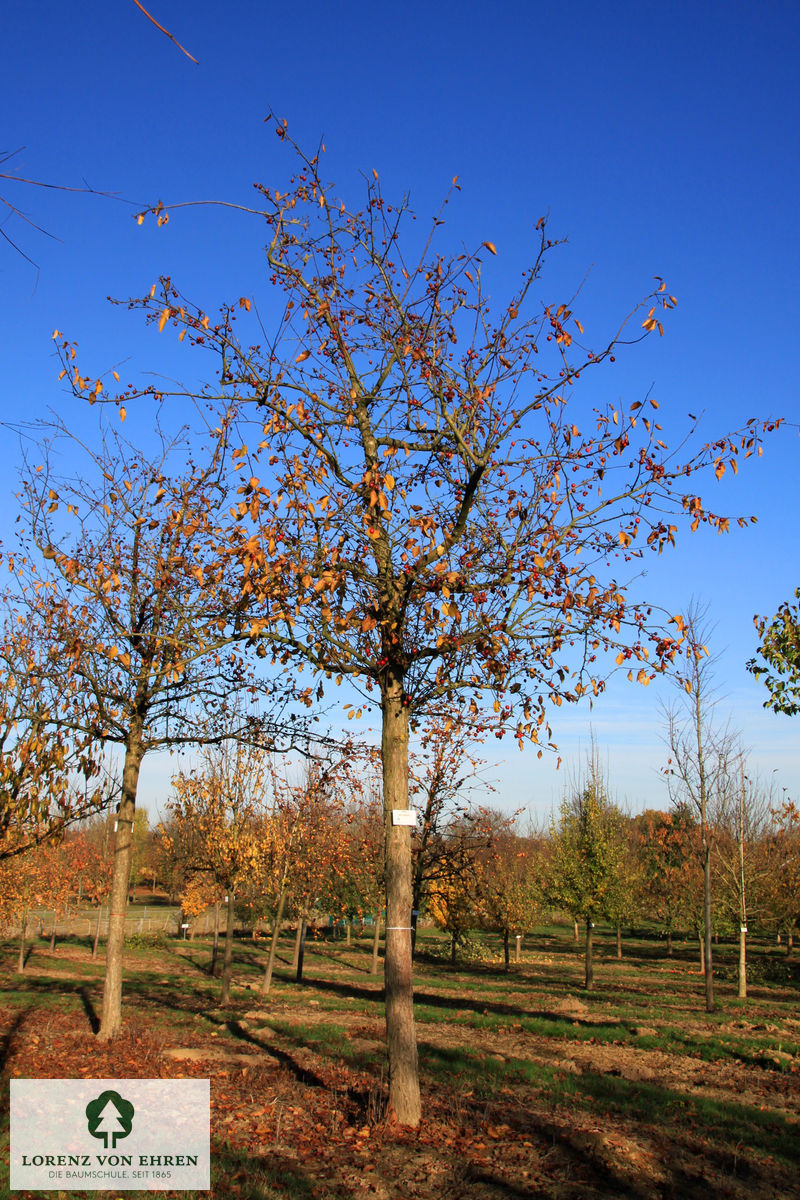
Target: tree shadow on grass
[(302, 1074), (455, 1004), (7, 1040), (270, 1175), (88, 1007)]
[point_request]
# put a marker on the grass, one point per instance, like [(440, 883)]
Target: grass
[(526, 1051)]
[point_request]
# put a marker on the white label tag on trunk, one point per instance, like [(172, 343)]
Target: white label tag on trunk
[(404, 816)]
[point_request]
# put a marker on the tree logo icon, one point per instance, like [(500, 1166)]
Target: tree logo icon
[(110, 1116)]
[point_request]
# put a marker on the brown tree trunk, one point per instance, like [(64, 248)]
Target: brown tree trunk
[(518, 947), (349, 933), (742, 992), (215, 949), (669, 942), (376, 944), (506, 952), (301, 949), (619, 942), (53, 936), (789, 944), (273, 945), (111, 1020), (96, 938), (702, 941), (588, 981), (708, 969), (404, 1097), (577, 933), (297, 936), (22, 931), (227, 958), (453, 945)]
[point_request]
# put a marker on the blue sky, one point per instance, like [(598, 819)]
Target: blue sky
[(661, 141)]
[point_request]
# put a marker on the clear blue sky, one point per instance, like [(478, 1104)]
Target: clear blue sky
[(662, 140)]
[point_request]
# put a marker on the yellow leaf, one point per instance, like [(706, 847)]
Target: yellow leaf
[(162, 320), (122, 414), (152, 291), (116, 376), (388, 482), (140, 218), (303, 355), (490, 246)]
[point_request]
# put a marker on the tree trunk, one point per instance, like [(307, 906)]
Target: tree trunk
[(619, 942), (301, 949), (708, 969), (453, 944), (702, 941), (227, 958), (577, 933), (111, 1020), (53, 936), (518, 947), (376, 944), (669, 942), (506, 953), (349, 933), (273, 945), (22, 931), (589, 973), (789, 944), (404, 1097), (298, 933), (215, 949), (96, 938), (742, 993)]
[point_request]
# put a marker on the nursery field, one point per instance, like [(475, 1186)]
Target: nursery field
[(531, 1086)]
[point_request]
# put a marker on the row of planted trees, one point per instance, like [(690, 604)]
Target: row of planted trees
[(239, 839)]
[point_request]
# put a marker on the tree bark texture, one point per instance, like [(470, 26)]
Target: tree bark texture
[(298, 933), (111, 1020), (376, 944), (404, 1096), (589, 972), (301, 950), (619, 942), (23, 928), (708, 969), (227, 957), (273, 945), (97, 925), (742, 991), (215, 950)]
